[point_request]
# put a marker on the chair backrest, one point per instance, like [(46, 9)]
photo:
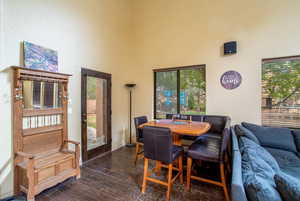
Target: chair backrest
[(137, 122), (226, 136), (169, 116), (178, 116), (217, 123), (158, 144)]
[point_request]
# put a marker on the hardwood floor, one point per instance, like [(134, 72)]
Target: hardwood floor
[(113, 177)]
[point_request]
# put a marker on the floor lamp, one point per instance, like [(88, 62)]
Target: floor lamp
[(130, 87)]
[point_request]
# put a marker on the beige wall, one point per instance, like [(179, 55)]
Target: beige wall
[(86, 33), (173, 33), (130, 37)]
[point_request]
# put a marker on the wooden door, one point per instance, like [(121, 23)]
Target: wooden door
[(95, 113)]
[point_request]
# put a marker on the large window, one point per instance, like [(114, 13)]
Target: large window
[(280, 92), (179, 90)]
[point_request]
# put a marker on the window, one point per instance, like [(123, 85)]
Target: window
[(179, 90), (280, 92)]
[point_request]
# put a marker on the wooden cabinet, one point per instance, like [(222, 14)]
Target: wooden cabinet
[(41, 146)]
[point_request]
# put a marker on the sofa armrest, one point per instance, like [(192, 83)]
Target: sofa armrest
[(234, 140), (237, 186)]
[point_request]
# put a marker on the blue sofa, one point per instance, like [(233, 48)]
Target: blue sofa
[(274, 151)]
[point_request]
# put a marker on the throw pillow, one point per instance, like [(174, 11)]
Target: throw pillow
[(258, 151), (288, 186), (281, 138), (258, 178), (242, 131)]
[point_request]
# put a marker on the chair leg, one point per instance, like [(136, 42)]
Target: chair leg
[(180, 169), (145, 175), (137, 150), (157, 168), (188, 177), (169, 181), (223, 179)]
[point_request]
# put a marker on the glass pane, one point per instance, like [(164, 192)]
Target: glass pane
[(280, 93), (96, 112), (48, 95), (36, 96), (192, 91), (52, 97), (28, 94), (166, 93), (41, 95)]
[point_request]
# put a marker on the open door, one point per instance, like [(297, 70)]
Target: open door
[(95, 113)]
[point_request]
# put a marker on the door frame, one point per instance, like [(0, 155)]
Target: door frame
[(87, 155)]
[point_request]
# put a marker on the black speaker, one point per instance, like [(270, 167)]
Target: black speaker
[(230, 47)]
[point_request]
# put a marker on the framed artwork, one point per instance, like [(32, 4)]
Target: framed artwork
[(40, 58), (231, 80)]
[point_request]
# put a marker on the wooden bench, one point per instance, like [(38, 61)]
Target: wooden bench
[(42, 155)]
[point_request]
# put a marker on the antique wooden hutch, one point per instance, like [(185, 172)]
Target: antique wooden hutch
[(41, 146)]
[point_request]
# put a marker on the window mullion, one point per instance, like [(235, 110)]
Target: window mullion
[(178, 91)]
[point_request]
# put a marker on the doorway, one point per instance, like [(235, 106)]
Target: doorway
[(95, 113)]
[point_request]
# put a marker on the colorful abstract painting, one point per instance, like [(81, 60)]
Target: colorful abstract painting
[(40, 58)]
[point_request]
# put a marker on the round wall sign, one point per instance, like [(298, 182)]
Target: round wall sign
[(231, 79)]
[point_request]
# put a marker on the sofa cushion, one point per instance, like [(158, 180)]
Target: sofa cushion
[(217, 123), (296, 134), (288, 161), (289, 187), (292, 170), (284, 157), (242, 131), (247, 145), (281, 138), (258, 177)]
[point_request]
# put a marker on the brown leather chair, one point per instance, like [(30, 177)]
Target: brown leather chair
[(211, 149), (139, 136), (158, 146)]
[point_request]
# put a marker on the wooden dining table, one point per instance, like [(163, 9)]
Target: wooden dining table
[(180, 128)]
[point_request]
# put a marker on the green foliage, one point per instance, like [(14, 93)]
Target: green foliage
[(281, 80), (167, 80), (191, 102), (91, 121), (91, 87), (192, 82), (193, 78)]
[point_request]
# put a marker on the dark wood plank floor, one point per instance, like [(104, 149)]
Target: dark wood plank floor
[(113, 177)]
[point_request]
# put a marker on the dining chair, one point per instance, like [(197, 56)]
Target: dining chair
[(210, 149), (169, 116), (158, 146), (178, 116), (139, 136)]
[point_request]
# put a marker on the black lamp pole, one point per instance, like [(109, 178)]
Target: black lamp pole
[(130, 86)]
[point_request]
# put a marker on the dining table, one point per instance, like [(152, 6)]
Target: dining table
[(178, 129)]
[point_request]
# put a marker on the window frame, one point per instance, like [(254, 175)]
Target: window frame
[(270, 60), (177, 69)]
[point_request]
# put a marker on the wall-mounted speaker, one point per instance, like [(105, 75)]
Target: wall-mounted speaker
[(230, 48)]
